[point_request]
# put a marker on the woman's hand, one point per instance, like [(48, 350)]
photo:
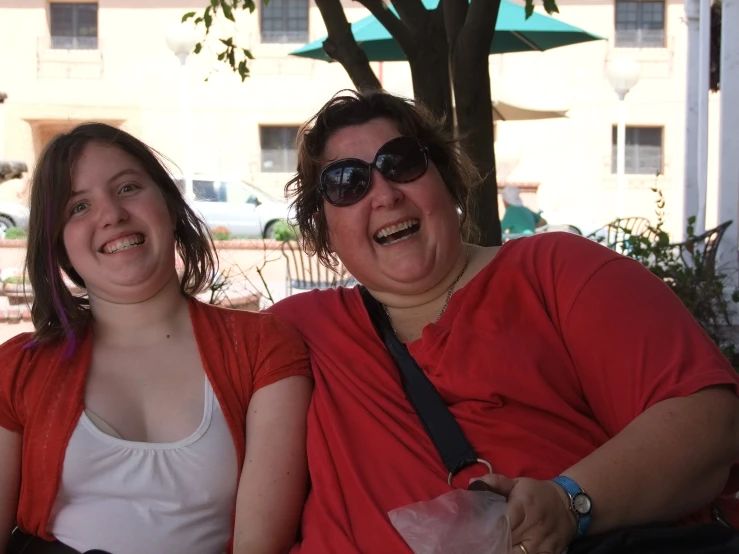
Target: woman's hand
[(539, 514)]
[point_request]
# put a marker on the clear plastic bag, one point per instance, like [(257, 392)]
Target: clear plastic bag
[(457, 522)]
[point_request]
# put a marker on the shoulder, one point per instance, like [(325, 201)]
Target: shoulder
[(557, 266), (557, 253), (246, 325), (302, 309), (24, 366)]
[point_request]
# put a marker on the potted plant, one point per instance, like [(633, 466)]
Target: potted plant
[(17, 289)]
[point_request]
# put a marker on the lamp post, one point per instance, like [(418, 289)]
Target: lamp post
[(623, 74), (181, 40)]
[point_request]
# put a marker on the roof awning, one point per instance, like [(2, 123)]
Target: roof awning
[(11, 170), (503, 111)]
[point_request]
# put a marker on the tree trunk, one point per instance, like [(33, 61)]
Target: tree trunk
[(475, 122), (342, 47), (430, 68)]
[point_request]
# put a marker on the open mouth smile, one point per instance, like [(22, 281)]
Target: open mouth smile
[(123, 243), (393, 234)]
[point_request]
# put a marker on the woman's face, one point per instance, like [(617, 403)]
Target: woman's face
[(119, 233), (400, 237)]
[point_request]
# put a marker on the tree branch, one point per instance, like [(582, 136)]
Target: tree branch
[(342, 47), (455, 14), (479, 25), (390, 21), (410, 12)]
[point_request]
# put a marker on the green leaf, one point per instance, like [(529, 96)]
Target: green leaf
[(228, 12), (529, 8), (250, 5), (551, 6), (221, 56), (208, 17), (214, 3), (187, 16), (198, 47), (227, 41), (248, 54), (691, 220)]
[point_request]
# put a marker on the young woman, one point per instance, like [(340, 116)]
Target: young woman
[(136, 418)]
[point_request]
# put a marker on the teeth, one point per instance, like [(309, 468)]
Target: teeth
[(123, 243), (392, 229)]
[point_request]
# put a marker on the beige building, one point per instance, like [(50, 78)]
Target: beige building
[(66, 62)]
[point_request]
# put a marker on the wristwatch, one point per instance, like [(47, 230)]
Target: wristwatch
[(580, 503)]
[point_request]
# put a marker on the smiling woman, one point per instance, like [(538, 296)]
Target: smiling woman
[(126, 417), (570, 370)]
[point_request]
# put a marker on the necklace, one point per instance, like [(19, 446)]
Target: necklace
[(448, 294)]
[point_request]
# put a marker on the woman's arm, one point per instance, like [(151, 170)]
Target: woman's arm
[(670, 461), (274, 477), (10, 480)]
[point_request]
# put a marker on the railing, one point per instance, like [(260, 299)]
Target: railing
[(74, 43), (69, 57), (284, 37), (642, 160), (640, 38)]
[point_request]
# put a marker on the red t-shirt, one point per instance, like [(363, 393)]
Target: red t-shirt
[(548, 352), (42, 392)]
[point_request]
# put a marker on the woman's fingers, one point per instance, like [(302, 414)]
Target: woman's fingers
[(499, 483)]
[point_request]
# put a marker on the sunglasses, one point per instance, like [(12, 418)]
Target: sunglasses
[(401, 160)]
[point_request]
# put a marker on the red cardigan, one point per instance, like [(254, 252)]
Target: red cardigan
[(42, 393)]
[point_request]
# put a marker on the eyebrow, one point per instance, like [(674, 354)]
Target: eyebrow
[(128, 171)]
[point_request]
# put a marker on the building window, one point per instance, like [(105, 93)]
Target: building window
[(279, 153), (643, 150), (73, 26), (640, 23), (285, 21)]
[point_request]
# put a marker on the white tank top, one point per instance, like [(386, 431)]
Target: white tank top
[(130, 497)]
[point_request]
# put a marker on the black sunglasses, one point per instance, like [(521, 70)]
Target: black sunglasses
[(401, 160)]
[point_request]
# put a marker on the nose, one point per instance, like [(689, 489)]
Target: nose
[(111, 212), (384, 193)]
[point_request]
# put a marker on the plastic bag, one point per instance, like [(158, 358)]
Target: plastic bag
[(458, 522)]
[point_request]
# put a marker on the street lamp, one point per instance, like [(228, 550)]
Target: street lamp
[(181, 40), (623, 74)]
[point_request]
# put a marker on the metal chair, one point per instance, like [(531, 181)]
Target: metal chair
[(709, 242), (615, 235), (306, 272)]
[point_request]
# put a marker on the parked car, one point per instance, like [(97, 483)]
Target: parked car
[(244, 209), (13, 214)]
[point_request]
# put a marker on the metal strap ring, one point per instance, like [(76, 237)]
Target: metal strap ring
[(479, 461)]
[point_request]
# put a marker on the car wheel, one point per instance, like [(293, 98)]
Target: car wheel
[(5, 224), (270, 229)]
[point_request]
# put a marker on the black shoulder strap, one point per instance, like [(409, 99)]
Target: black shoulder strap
[(455, 450)]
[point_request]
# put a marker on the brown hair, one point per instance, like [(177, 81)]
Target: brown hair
[(57, 314), (349, 108)]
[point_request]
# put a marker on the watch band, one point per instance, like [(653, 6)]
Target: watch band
[(573, 489)]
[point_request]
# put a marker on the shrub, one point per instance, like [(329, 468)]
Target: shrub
[(283, 231), (15, 280), (15, 233), (221, 233), (683, 268)]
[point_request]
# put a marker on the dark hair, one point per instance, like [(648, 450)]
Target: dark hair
[(348, 108), (57, 314)]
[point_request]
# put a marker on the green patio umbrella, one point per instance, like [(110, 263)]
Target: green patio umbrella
[(513, 33)]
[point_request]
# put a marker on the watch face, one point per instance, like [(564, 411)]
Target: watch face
[(581, 504)]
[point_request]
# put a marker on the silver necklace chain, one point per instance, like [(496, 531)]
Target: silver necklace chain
[(448, 295)]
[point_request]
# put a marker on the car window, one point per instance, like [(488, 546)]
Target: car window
[(205, 191), (235, 193)]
